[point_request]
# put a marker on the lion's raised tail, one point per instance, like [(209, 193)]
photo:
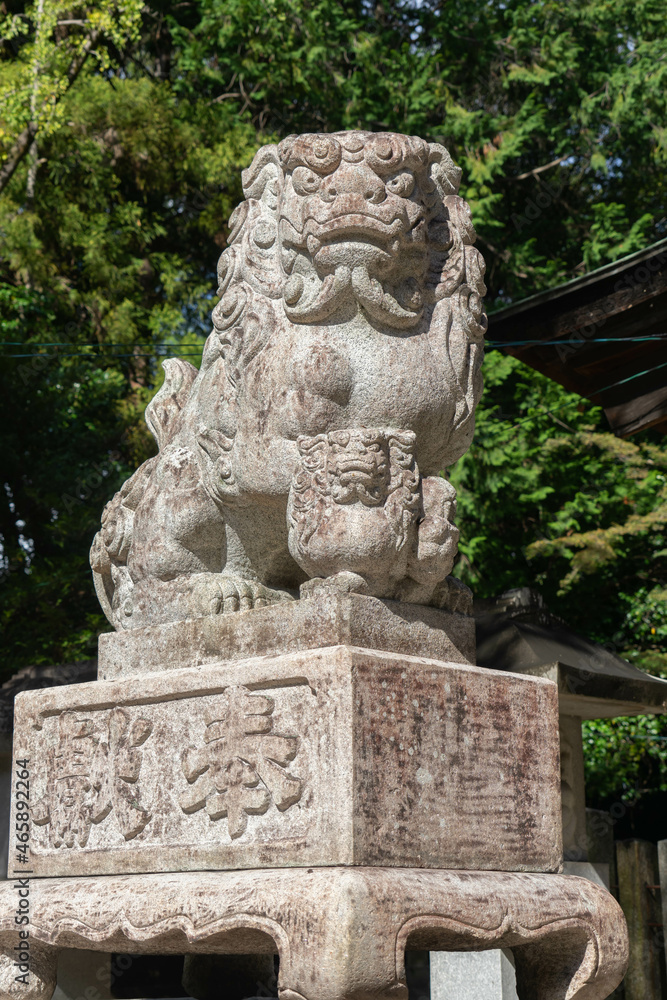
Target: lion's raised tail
[(163, 413), (111, 545)]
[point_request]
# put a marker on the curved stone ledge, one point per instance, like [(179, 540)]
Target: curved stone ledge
[(341, 933)]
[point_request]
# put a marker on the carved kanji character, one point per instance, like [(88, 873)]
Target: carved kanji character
[(89, 777), (242, 768)]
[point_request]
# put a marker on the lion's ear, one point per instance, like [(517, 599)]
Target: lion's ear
[(444, 173), (262, 180)]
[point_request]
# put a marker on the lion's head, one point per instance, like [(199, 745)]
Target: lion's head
[(367, 217), (358, 212)]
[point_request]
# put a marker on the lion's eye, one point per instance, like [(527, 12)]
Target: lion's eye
[(305, 181), (402, 184)]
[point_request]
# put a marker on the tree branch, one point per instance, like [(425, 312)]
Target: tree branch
[(25, 139), (18, 151), (538, 170)]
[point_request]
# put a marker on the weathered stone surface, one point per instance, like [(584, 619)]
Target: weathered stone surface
[(598, 873), (490, 975), (30, 679), (340, 755), (327, 619), (600, 839), (341, 933), (39, 970), (662, 872), (339, 381)]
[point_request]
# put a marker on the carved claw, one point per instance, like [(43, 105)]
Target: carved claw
[(220, 594)]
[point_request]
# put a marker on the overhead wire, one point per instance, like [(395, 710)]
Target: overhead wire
[(97, 357), (578, 343), (158, 348), (597, 392)]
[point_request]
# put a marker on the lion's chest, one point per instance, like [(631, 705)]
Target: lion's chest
[(316, 379)]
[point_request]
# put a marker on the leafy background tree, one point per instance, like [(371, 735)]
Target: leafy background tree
[(124, 127)]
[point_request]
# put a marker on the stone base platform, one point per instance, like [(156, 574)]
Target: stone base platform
[(327, 619), (341, 933), (340, 756)]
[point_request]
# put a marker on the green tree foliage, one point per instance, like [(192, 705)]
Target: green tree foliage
[(123, 130), (548, 498), (62, 428)]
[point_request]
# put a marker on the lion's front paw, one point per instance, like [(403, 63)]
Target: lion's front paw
[(344, 582), (222, 594)]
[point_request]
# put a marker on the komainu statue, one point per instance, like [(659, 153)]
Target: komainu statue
[(338, 384)]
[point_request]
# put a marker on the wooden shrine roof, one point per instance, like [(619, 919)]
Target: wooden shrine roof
[(599, 324)]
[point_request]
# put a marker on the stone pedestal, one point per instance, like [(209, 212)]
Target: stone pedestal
[(335, 756), (330, 619), (331, 804), (491, 975), (340, 932)]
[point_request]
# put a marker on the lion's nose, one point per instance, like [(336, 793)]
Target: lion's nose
[(354, 179), (375, 192)]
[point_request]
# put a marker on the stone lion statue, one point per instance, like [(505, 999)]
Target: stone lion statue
[(338, 384)]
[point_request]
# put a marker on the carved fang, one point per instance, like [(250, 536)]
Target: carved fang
[(380, 304)]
